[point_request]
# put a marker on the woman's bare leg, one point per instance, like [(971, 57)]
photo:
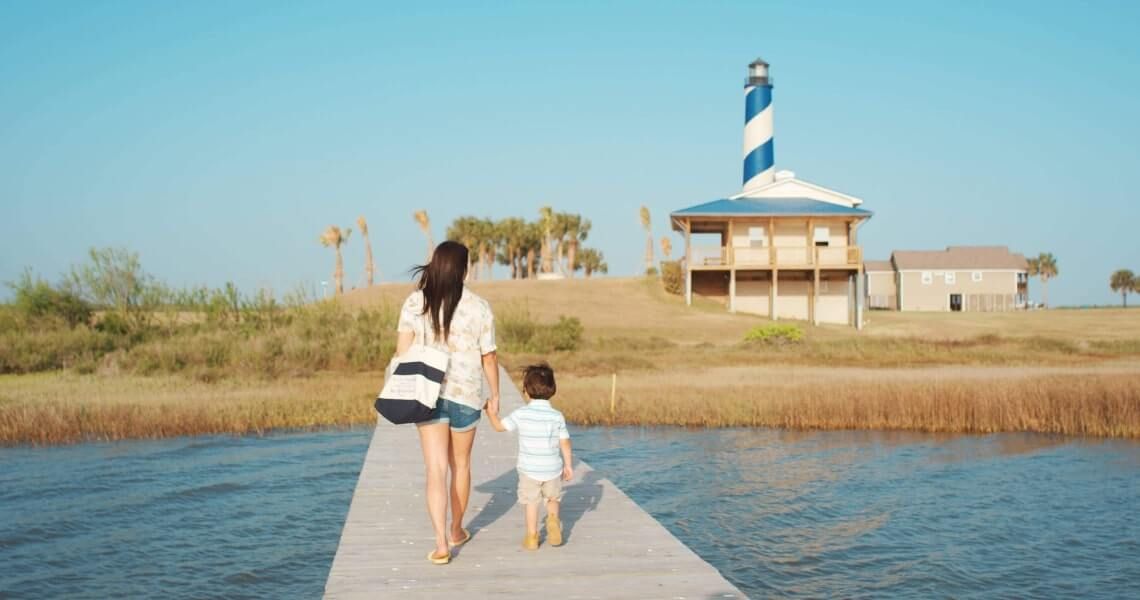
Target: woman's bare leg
[(435, 440), (459, 459)]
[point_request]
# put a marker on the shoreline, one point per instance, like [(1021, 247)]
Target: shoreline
[(1099, 400)]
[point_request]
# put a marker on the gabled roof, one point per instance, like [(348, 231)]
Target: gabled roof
[(959, 257), (787, 185), (770, 207), (876, 266)]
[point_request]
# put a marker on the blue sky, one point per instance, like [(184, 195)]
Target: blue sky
[(217, 139)]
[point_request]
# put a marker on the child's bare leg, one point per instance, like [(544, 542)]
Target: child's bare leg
[(532, 518), (553, 525)]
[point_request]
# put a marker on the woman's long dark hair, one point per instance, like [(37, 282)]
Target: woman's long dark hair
[(442, 283)]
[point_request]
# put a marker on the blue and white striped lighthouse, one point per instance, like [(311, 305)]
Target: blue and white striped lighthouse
[(759, 158)]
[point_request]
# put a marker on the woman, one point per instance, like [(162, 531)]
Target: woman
[(450, 315)]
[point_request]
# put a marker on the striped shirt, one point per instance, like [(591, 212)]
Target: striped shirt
[(541, 429)]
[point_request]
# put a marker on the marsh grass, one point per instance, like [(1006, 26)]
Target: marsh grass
[(221, 363), (1086, 404), (62, 408)]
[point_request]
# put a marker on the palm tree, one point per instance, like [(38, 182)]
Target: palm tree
[(422, 220), (513, 232), (666, 247), (334, 237), (1045, 267), (577, 229), (1123, 281), (593, 262), (534, 236), (647, 223), (369, 267), (465, 230), (558, 232), (489, 240), (1033, 267), (546, 222)]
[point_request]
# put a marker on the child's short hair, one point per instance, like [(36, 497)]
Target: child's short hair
[(538, 381)]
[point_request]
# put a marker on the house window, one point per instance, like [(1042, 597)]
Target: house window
[(951, 277), (821, 236), (756, 237), (927, 278), (976, 276)]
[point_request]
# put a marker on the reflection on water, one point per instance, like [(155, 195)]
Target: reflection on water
[(899, 514), (780, 513)]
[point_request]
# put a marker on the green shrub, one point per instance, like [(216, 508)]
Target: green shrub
[(775, 334), (49, 349), (113, 324), (518, 331), (37, 299), (672, 277), (564, 335), (651, 272)]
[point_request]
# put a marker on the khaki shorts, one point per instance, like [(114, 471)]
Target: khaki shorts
[(532, 490)]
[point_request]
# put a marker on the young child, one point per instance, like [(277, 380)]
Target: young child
[(544, 453)]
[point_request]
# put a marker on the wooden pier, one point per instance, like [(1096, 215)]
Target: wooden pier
[(613, 549)]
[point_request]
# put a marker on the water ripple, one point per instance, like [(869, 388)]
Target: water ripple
[(780, 513), (868, 515), (208, 517)]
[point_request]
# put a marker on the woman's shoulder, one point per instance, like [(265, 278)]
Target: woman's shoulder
[(415, 300), (475, 300)]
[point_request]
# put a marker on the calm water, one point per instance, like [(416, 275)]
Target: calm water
[(828, 514), (207, 517)]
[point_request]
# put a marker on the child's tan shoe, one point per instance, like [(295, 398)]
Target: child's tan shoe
[(553, 530), (530, 542)]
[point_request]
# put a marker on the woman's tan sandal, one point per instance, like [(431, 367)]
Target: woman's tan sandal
[(439, 560), (458, 543), (530, 542), (553, 530)]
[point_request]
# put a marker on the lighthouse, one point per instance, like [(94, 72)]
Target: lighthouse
[(759, 158), (782, 246)]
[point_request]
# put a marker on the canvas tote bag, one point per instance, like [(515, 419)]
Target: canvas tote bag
[(412, 389)]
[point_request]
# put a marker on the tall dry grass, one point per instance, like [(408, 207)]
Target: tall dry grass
[(1087, 404), (62, 408)]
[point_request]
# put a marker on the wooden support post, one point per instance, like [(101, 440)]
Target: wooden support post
[(772, 242), (773, 294), (613, 396), (687, 225), (860, 291), (688, 287), (732, 290), (810, 254), (730, 252)]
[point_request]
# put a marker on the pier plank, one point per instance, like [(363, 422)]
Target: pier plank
[(613, 548)]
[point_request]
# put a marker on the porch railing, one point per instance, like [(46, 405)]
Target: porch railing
[(779, 256)]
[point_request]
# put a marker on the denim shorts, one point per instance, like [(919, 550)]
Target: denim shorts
[(460, 417)]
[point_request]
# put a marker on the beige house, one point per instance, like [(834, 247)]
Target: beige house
[(959, 278), (786, 250)]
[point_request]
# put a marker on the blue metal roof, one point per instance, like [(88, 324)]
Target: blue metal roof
[(769, 207)]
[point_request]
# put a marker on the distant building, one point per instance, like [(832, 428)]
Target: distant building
[(783, 247), (959, 278)]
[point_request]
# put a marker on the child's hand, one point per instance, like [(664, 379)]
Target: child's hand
[(567, 473)]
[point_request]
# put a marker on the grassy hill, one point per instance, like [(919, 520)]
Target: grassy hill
[(638, 307)]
